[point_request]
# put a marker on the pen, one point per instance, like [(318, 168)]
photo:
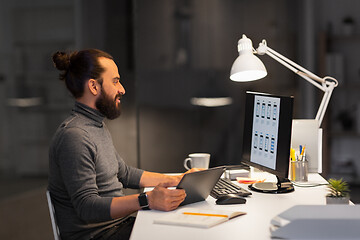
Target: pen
[(302, 150), (302, 155), (205, 214)]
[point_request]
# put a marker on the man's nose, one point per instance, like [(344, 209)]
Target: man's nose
[(121, 90)]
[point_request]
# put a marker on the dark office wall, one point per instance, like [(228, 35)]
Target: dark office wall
[(119, 42), (167, 51), (186, 49)]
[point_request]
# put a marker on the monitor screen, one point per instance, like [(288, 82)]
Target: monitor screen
[(267, 132)]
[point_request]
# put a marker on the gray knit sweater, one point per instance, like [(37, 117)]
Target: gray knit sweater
[(85, 173)]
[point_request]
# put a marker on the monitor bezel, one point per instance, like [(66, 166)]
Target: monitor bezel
[(284, 133)]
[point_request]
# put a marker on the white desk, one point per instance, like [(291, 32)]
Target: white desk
[(260, 209)]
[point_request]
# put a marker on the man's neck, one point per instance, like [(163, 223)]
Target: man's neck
[(87, 102)]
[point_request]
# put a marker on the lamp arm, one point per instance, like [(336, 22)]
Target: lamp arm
[(324, 102), (327, 83), (296, 68), (289, 66)]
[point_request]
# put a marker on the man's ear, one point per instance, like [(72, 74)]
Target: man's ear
[(94, 87)]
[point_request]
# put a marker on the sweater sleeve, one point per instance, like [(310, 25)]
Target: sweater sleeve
[(129, 176), (76, 154)]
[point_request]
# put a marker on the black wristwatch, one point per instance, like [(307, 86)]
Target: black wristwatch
[(143, 201)]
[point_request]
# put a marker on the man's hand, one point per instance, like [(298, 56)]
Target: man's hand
[(179, 177), (194, 170), (174, 180), (160, 198), (164, 199), (151, 179)]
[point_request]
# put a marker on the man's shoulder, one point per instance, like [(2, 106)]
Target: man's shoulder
[(78, 126), (73, 125), (77, 121)]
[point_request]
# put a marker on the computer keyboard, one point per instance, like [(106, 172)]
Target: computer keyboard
[(225, 186)]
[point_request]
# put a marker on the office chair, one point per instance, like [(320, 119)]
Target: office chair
[(54, 225)]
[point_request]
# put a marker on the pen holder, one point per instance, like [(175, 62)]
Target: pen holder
[(299, 171)]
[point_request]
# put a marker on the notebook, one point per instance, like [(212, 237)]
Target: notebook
[(200, 218), (198, 185)]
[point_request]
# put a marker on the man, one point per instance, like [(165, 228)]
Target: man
[(86, 174)]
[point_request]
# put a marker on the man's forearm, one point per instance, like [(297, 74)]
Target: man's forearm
[(160, 198), (151, 179), (124, 206)]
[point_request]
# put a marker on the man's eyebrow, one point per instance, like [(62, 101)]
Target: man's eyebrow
[(116, 78)]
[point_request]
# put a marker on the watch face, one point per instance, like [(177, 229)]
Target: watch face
[(143, 202)]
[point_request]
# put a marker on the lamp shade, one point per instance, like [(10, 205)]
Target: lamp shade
[(247, 67)]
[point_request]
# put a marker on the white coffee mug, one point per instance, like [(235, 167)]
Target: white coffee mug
[(197, 160)]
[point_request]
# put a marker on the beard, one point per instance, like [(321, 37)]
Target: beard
[(107, 106)]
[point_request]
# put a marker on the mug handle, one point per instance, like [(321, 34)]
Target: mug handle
[(185, 163)]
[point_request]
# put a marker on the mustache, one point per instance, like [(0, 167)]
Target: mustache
[(118, 96)]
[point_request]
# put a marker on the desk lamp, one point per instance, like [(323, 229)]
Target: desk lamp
[(248, 67)]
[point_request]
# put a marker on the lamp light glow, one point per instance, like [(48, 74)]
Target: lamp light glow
[(211, 102)]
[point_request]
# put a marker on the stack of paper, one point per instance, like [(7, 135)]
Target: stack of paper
[(234, 173), (317, 222)]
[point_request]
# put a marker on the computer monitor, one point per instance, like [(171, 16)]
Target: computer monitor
[(267, 138)]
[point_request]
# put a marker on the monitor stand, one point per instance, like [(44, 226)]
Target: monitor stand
[(282, 186)]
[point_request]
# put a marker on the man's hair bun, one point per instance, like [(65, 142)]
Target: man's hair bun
[(77, 67), (61, 60)]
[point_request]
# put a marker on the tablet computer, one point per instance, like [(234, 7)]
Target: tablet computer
[(198, 185)]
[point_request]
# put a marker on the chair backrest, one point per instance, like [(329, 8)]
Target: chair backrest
[(54, 225)]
